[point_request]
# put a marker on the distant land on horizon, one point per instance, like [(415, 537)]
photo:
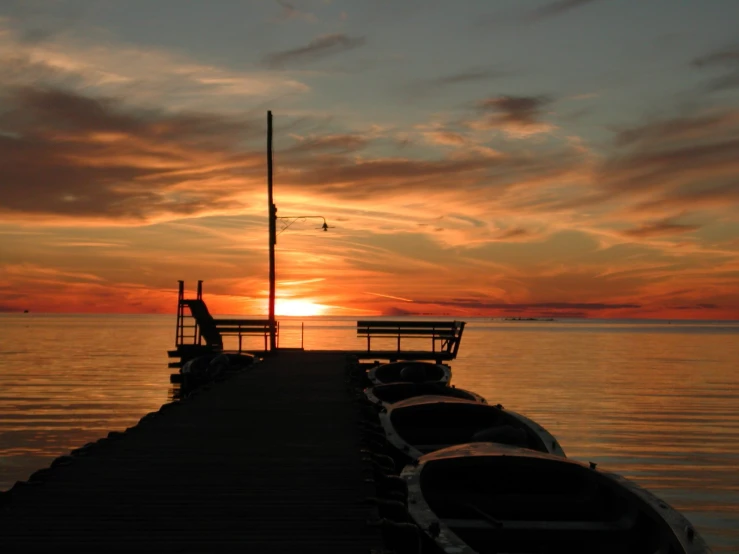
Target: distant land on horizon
[(461, 317)]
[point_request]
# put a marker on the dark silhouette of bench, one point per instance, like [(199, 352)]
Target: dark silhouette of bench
[(445, 335), (213, 330), (246, 327)]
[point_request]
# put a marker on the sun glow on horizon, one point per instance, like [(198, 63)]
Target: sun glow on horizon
[(300, 308)]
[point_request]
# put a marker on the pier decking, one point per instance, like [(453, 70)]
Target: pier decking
[(267, 461)]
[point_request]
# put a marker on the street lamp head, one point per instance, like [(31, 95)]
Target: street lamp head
[(324, 226)]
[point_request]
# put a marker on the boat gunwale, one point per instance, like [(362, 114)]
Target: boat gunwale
[(445, 378), (663, 515), (370, 394), (395, 439)]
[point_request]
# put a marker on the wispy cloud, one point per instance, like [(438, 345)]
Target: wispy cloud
[(469, 76), (726, 59), (336, 143), (519, 115), (681, 128), (81, 157), (290, 12), (514, 233), (84, 158), (523, 16), (668, 165), (516, 109), (554, 9), (447, 138), (389, 296), (518, 307), (319, 48), (675, 155), (142, 75), (474, 76), (658, 228), (33, 272), (725, 196)]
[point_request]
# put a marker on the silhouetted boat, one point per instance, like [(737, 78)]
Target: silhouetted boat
[(489, 498), (409, 371), (384, 395), (424, 424), (202, 369)]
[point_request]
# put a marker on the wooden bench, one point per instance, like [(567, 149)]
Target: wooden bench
[(213, 330), (445, 335), (246, 327)]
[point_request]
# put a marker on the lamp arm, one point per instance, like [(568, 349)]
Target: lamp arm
[(292, 219)]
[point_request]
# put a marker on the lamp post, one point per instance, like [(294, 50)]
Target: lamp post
[(272, 211)]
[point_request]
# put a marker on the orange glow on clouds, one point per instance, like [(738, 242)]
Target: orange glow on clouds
[(508, 207)]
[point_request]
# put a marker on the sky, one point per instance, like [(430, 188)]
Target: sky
[(501, 158)]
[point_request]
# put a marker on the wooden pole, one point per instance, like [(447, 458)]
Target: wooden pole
[(272, 211), (180, 312)]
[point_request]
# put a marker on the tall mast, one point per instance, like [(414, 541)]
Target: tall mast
[(272, 211)]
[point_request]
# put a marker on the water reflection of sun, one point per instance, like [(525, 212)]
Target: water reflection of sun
[(300, 308)]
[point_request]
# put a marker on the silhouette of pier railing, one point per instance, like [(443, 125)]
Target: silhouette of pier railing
[(199, 332), (445, 336)]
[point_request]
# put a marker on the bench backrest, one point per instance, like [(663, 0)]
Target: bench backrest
[(396, 326), (458, 330), (244, 326), (449, 331)]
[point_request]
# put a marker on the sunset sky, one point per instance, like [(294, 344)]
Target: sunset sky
[(568, 158)]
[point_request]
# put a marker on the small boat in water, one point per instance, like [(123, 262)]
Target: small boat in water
[(423, 424), (384, 395), (490, 498), (200, 370), (410, 371)]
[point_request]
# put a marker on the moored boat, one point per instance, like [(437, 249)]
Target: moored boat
[(202, 369), (390, 393), (423, 424), (491, 498), (409, 371)]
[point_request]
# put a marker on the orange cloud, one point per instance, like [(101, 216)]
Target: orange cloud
[(107, 201)]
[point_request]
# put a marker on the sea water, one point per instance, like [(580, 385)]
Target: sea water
[(656, 401)]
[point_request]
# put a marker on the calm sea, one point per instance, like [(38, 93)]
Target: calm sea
[(655, 401)]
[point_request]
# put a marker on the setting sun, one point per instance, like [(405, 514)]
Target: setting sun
[(298, 308)]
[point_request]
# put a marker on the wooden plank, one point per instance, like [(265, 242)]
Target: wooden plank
[(243, 330), (410, 324), (251, 322), (422, 333), (266, 462)]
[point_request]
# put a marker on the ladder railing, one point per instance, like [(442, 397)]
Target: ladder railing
[(209, 332), (182, 315)]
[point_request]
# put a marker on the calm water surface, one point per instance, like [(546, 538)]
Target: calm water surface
[(657, 402)]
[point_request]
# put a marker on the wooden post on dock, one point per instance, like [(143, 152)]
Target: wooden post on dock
[(272, 211), (179, 337)]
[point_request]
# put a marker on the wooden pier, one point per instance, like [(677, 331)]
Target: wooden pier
[(267, 461), (198, 333)]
